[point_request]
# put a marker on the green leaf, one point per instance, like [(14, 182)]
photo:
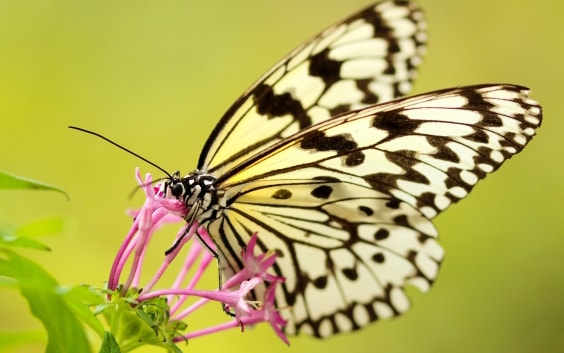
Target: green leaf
[(47, 302), (23, 236), (145, 323), (77, 297), (109, 345), (9, 239), (8, 181)]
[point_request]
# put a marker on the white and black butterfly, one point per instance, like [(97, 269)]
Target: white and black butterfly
[(341, 178)]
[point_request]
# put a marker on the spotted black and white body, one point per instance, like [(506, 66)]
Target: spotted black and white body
[(341, 177)]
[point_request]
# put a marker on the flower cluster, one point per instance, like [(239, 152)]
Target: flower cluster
[(159, 210)]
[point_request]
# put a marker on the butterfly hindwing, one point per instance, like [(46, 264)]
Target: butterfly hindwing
[(368, 58), (345, 250)]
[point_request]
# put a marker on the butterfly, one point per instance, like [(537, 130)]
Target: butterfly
[(341, 175)]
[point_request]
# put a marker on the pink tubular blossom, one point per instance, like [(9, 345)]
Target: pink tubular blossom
[(159, 209), (254, 266), (154, 213), (269, 313), (233, 299), (266, 313)]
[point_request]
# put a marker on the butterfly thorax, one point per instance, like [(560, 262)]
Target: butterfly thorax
[(196, 190)]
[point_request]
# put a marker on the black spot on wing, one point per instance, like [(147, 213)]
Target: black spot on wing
[(320, 282), (394, 204), (427, 199), (327, 178), (479, 136), (402, 158), (378, 258), (354, 159), (375, 19), (402, 220), (322, 192), (385, 182), (444, 152), (282, 194), (276, 105), (381, 234), (457, 180), (339, 109), (324, 67), (366, 210), (476, 100), (483, 157), (490, 119), (350, 273), (395, 123), (320, 142)]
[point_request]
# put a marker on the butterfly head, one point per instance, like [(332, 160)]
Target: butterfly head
[(192, 187), (174, 185)]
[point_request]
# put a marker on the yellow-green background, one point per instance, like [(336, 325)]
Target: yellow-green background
[(157, 75)]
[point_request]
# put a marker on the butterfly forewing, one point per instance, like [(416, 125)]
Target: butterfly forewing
[(347, 203), (370, 57)]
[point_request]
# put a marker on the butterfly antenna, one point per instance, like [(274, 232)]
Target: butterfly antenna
[(139, 187), (122, 148)]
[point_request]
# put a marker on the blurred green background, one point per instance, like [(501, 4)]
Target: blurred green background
[(157, 75)]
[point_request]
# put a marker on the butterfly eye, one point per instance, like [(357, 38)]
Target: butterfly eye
[(177, 189)]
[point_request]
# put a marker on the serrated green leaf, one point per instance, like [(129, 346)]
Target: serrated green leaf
[(109, 345), (8, 181), (47, 303)]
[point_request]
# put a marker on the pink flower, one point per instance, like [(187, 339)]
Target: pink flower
[(155, 212), (254, 265), (269, 313), (160, 209)]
